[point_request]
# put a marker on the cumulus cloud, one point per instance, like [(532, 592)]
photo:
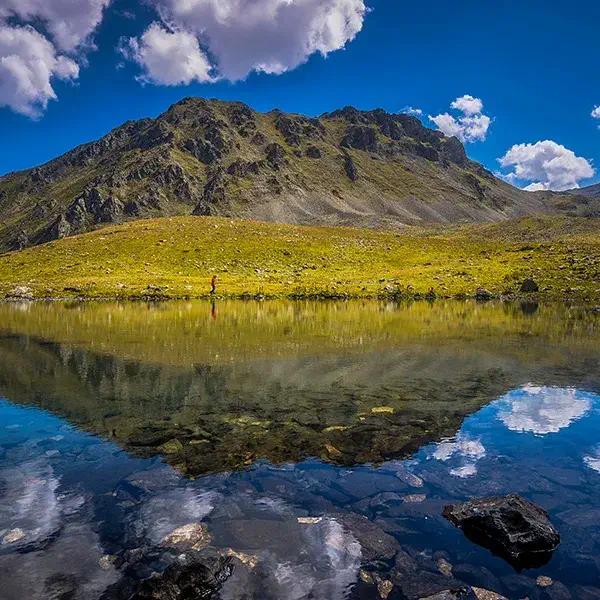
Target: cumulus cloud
[(269, 36), (471, 126), (409, 110), (169, 57), (546, 165), (542, 410), (28, 64), (69, 23), (40, 42), (596, 113)]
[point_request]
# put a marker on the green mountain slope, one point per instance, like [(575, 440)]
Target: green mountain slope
[(215, 158)]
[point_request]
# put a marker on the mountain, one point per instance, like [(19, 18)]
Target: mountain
[(592, 191), (209, 157)]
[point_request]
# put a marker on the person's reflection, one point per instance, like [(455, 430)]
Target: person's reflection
[(213, 310)]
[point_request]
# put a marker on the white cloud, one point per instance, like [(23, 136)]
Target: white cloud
[(547, 165), (471, 126), (70, 23), (409, 110), (542, 410), (28, 65), (269, 36), (40, 41), (596, 113), (169, 57), (468, 105)]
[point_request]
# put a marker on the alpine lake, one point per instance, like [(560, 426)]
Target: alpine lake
[(292, 450)]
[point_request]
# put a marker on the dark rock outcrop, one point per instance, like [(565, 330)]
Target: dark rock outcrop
[(510, 526), (361, 138), (350, 168), (214, 192), (295, 128), (243, 168), (276, 156)]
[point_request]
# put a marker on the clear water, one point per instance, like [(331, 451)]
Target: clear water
[(317, 444)]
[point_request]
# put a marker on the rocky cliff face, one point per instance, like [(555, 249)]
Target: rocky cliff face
[(348, 167)]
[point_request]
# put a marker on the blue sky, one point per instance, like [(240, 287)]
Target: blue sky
[(534, 65)]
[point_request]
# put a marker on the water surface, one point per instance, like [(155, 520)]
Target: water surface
[(316, 443)]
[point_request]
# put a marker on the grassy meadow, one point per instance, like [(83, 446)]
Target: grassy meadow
[(177, 257)]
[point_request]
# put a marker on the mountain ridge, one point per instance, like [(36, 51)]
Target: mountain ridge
[(217, 158)]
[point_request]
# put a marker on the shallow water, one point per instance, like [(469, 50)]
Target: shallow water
[(316, 443)]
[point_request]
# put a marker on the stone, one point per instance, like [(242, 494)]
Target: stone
[(529, 286), (466, 593), (514, 528), (444, 567), (173, 446), (543, 581), (193, 536), (192, 580), (483, 295), (107, 561), (482, 594), (13, 536), (21, 292), (384, 586), (463, 593), (375, 543), (249, 560), (414, 498), (309, 520)]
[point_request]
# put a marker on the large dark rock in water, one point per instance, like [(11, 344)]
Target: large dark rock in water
[(192, 580), (510, 526)]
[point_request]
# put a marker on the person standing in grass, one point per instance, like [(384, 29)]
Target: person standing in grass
[(213, 285)]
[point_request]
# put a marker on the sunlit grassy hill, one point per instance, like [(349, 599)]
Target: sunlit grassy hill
[(176, 257)]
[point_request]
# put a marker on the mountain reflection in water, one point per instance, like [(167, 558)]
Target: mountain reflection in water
[(316, 443)]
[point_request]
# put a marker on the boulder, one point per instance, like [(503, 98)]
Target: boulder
[(529, 286), (510, 526)]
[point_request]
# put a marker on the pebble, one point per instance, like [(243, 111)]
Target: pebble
[(13, 536), (543, 581), (414, 498), (444, 567)]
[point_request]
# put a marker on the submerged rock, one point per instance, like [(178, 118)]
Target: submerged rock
[(466, 593), (193, 536), (197, 580), (509, 526)]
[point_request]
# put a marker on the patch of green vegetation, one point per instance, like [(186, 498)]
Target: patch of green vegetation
[(176, 257)]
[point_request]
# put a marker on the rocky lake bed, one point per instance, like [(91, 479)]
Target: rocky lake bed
[(290, 450)]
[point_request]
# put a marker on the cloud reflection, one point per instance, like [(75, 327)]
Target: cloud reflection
[(542, 410)]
